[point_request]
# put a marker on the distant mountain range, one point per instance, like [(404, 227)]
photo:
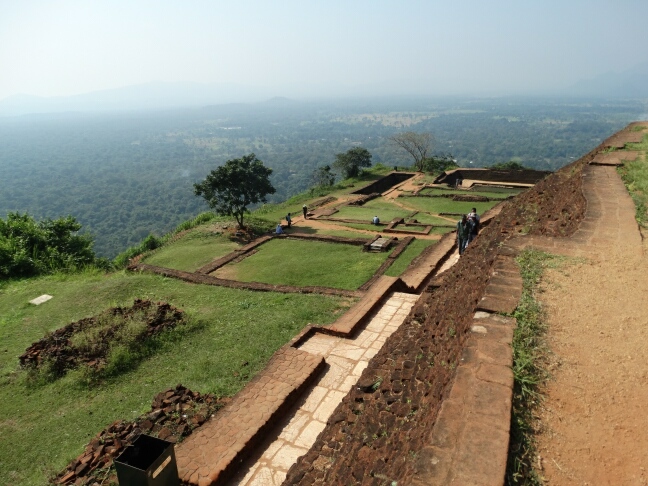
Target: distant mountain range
[(149, 96), (632, 83), (161, 95)]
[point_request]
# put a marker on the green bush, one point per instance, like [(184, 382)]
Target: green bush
[(29, 247)]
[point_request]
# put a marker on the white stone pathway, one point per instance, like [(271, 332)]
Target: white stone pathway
[(347, 358)]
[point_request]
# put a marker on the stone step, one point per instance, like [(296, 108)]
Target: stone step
[(211, 455), (361, 310), (429, 261)]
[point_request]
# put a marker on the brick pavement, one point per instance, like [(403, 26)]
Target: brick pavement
[(346, 359)]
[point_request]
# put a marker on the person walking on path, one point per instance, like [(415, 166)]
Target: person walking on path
[(473, 219), (305, 211), (288, 220), (463, 233)]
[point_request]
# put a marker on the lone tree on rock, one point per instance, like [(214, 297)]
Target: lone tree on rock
[(416, 144), (350, 162), (231, 188)]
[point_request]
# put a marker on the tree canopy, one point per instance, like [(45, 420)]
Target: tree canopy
[(439, 163), (510, 165), (29, 247), (232, 187), (416, 144), (352, 161), (323, 176)]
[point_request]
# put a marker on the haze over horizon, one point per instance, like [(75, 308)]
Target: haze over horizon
[(306, 49)]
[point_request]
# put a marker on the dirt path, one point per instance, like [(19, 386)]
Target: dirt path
[(595, 416)]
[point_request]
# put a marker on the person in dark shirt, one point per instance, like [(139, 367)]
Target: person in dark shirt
[(463, 233)]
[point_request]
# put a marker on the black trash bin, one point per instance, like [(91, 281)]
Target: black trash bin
[(148, 462)]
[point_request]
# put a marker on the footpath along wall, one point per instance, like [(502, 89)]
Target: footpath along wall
[(380, 428)]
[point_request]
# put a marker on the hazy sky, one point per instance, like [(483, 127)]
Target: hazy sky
[(63, 47)]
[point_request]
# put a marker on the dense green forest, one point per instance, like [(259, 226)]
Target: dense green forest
[(124, 176)]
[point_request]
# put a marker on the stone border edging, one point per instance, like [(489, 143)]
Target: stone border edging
[(358, 313), (619, 139), (428, 262), (615, 158), (389, 261), (222, 261), (235, 284), (470, 438), (243, 422), (469, 441)]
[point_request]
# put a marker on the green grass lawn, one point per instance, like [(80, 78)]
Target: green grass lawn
[(442, 205), (430, 219), (434, 191), (417, 229), (635, 177), (328, 232), (441, 231), (192, 251), (362, 226), (302, 263), (413, 250), (384, 210), (426, 179), (44, 426)]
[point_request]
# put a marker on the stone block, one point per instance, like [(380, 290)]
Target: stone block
[(432, 466)]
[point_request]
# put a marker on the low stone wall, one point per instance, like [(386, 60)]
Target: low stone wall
[(385, 183)]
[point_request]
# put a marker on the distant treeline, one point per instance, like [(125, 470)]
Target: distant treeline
[(125, 176)]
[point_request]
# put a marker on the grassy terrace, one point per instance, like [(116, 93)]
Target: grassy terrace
[(228, 337), (193, 250), (443, 205), (301, 263), (225, 329), (385, 210)]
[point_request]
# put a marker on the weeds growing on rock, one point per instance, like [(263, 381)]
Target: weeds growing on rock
[(529, 358)]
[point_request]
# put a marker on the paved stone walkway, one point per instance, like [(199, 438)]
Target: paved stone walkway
[(346, 360)]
